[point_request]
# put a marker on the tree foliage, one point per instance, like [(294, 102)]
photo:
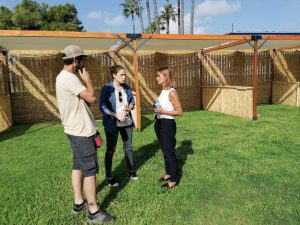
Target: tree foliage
[(5, 18), (63, 17), (168, 13), (31, 15), (152, 28), (131, 7)]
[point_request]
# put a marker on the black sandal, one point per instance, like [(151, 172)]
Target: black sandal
[(167, 186), (163, 179)]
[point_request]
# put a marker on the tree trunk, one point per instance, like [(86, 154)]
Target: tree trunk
[(141, 16), (168, 19), (182, 16), (156, 16), (192, 16), (133, 25), (178, 15), (168, 25), (148, 13)]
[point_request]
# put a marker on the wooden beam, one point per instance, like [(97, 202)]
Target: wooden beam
[(212, 69), (288, 47), (282, 66), (31, 33), (196, 37), (281, 37), (222, 46), (137, 87), (34, 86), (254, 80), (5, 72), (122, 45)]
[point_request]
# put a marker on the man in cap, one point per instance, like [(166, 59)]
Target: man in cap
[(79, 125)]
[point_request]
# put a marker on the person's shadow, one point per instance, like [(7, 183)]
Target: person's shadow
[(146, 122), (141, 156), (19, 130), (182, 153)]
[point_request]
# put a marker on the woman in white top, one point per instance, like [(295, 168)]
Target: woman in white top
[(166, 108)]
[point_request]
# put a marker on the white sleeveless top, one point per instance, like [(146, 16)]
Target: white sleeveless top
[(165, 103)]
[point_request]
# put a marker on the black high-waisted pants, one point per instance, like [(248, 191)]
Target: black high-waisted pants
[(165, 130)]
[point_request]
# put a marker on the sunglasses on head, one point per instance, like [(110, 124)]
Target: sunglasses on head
[(120, 97)]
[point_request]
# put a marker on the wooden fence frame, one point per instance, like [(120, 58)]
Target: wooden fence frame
[(238, 39)]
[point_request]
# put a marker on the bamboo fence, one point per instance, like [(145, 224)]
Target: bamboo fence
[(220, 81)]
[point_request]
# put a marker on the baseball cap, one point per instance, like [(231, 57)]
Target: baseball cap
[(72, 51)]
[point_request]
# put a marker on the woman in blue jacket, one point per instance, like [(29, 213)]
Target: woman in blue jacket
[(116, 103)]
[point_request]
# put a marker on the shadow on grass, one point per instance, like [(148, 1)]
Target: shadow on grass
[(182, 153), (141, 156), (146, 122), (14, 131), (18, 130)]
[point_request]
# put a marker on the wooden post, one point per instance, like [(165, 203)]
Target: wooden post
[(137, 87), (254, 80), (5, 72), (272, 78), (298, 94), (201, 84)]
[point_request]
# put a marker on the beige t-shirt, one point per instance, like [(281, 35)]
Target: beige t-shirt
[(76, 116)]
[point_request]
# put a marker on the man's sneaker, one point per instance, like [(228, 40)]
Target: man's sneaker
[(100, 218), (133, 175), (112, 182), (79, 208)]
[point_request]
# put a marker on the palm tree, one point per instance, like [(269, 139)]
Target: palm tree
[(182, 16), (148, 13), (141, 15), (130, 7), (156, 16), (152, 27), (192, 16), (178, 15), (167, 14)]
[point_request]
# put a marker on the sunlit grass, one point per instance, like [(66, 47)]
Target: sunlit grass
[(234, 171)]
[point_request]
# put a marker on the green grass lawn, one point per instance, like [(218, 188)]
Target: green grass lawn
[(234, 171)]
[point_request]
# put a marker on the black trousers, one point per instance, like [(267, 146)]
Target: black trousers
[(111, 143), (165, 130)]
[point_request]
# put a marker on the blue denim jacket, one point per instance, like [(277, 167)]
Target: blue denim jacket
[(108, 104)]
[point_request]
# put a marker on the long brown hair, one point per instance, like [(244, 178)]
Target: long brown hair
[(168, 75)]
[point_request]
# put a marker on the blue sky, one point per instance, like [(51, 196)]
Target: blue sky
[(211, 16)]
